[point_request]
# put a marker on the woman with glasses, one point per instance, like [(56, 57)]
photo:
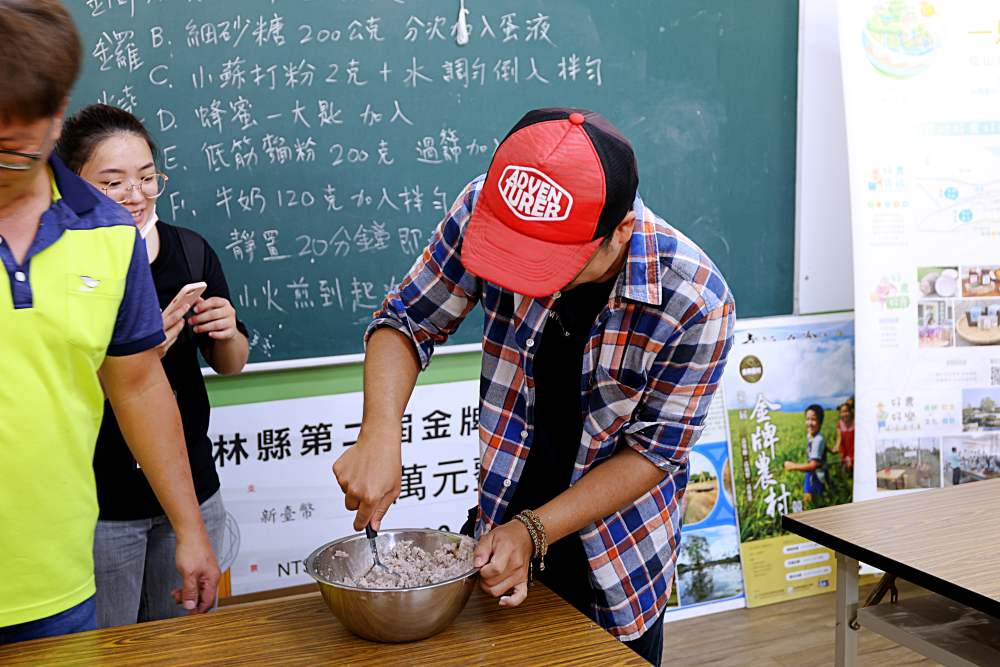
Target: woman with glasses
[(134, 543)]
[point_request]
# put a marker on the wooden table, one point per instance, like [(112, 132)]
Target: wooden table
[(945, 540), (300, 630)]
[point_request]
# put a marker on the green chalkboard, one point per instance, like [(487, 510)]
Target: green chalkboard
[(316, 143)]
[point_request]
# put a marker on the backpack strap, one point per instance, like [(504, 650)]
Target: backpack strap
[(193, 249)]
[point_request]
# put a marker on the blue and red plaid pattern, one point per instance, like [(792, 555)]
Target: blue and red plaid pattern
[(653, 362)]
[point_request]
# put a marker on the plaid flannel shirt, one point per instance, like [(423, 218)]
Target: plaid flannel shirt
[(653, 362)]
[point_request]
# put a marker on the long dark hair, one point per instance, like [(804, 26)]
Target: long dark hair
[(87, 128)]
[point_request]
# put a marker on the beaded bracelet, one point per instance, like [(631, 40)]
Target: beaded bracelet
[(539, 539), (534, 545), (541, 532), (535, 540)]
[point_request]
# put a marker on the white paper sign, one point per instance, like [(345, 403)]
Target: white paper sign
[(275, 461)]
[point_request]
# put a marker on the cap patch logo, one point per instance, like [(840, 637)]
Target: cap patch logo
[(533, 196)]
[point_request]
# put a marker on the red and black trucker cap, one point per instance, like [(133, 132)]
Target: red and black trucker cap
[(561, 180)]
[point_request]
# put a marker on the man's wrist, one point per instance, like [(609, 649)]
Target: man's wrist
[(381, 432), (536, 531), (526, 537)]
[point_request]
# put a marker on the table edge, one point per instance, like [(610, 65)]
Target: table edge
[(978, 601), (622, 654)]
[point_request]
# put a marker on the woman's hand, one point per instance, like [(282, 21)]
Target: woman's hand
[(214, 316), (173, 322)]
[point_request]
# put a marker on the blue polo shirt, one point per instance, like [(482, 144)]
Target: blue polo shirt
[(83, 291)]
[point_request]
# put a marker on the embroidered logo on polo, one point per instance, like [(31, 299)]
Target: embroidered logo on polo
[(534, 197)]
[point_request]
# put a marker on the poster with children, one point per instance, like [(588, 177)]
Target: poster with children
[(789, 391)]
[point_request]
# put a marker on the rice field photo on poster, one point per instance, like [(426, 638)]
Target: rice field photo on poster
[(702, 489), (779, 465), (981, 409), (971, 458), (708, 565), (907, 463), (935, 323), (760, 510)]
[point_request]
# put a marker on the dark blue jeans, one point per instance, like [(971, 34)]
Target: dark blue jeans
[(80, 618)]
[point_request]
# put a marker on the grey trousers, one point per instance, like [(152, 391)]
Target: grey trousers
[(135, 569)]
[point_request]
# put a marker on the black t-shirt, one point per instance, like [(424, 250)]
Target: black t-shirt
[(558, 426), (122, 490)]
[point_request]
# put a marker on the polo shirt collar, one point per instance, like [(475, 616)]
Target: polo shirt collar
[(74, 190)]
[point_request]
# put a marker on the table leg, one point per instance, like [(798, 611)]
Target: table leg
[(847, 611)]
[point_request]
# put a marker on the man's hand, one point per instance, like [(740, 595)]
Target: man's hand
[(173, 322), (504, 554), (369, 472), (369, 475), (147, 415), (214, 316), (200, 573)]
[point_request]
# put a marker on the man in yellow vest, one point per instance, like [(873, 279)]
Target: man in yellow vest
[(78, 311)]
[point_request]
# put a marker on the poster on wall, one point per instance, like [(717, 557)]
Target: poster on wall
[(789, 388), (708, 576), (275, 459), (923, 128)]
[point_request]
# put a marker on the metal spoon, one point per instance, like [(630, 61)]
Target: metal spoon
[(371, 534)]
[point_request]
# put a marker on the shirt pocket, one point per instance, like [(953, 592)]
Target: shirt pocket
[(92, 303), (613, 400)]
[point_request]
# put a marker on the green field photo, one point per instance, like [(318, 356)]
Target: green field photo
[(755, 523)]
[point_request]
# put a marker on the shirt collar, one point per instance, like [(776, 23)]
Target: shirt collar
[(640, 281), (75, 192), (642, 268)]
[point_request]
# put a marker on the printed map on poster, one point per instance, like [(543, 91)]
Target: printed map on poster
[(789, 395)]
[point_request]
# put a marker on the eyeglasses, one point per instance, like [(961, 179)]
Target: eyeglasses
[(22, 161), (17, 161), (151, 187)]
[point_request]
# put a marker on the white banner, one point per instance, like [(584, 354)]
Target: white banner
[(283, 501), (922, 95)]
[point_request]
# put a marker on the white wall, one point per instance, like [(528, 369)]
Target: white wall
[(823, 263)]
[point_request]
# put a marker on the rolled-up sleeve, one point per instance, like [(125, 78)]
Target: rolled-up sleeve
[(680, 387), (434, 297)]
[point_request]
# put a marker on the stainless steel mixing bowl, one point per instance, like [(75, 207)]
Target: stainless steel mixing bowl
[(389, 615)]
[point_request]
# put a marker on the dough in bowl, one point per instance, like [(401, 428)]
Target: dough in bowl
[(415, 566)]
